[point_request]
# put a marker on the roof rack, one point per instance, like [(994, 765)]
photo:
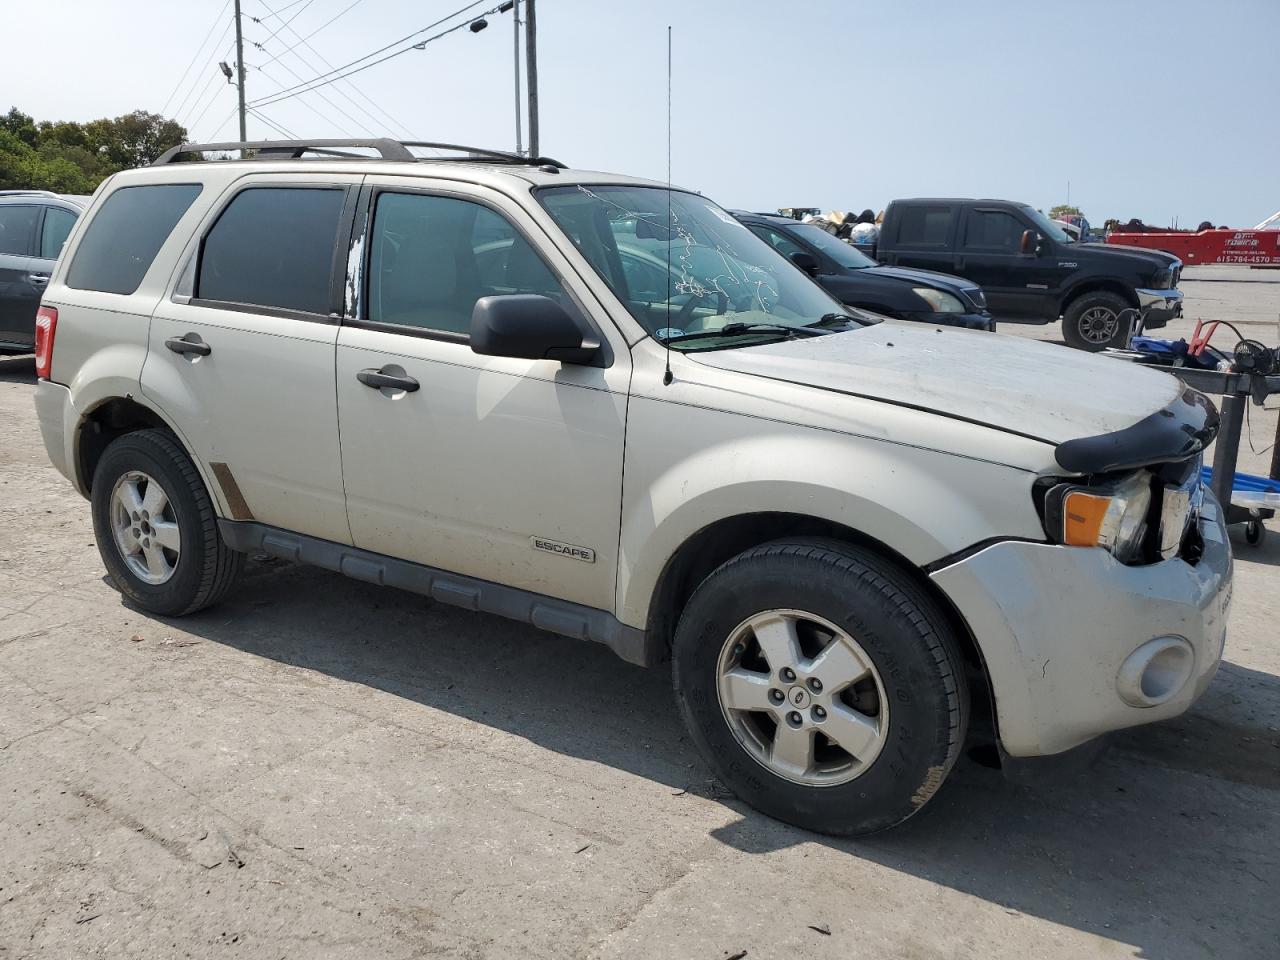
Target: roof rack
[(387, 149), (28, 193)]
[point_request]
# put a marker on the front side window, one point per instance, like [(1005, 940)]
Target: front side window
[(273, 247), (125, 235), (993, 230), (431, 258), (17, 228), (687, 271), (778, 240), (57, 226)]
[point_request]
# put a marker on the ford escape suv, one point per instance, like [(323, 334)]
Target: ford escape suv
[(443, 375)]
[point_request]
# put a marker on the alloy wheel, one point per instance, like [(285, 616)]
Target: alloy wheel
[(1098, 324), (145, 527)]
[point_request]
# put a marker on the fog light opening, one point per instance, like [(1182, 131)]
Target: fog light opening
[(1156, 672)]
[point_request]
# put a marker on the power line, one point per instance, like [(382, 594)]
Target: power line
[(207, 64), (340, 13), (208, 103), (354, 120), (283, 23), (194, 57), (371, 103), (279, 128), (470, 6)]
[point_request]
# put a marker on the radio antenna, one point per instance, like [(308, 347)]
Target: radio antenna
[(666, 375)]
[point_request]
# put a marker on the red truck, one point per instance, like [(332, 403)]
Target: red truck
[(1259, 247)]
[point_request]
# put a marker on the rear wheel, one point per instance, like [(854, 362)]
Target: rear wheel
[(1095, 321), (821, 685), (156, 528)]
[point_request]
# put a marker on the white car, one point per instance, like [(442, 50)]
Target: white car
[(439, 375)]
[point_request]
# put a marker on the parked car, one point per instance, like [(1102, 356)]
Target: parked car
[(33, 226), (1031, 269), (855, 279), (429, 374)]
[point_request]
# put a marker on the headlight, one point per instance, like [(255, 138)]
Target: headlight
[(1112, 515), (940, 301)]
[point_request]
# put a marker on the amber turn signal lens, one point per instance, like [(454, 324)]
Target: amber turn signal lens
[(1082, 516)]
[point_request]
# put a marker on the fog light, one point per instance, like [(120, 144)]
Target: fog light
[(1155, 672)]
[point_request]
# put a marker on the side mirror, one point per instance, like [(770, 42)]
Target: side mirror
[(531, 327), (806, 262), (1030, 243)]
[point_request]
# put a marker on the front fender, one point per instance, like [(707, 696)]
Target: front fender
[(709, 465)]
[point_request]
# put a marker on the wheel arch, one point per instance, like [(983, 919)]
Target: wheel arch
[(1097, 285), (718, 542)]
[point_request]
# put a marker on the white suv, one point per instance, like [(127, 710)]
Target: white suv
[(603, 406)]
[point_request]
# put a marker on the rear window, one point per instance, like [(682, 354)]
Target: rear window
[(924, 225), (273, 247), (57, 226), (126, 233)]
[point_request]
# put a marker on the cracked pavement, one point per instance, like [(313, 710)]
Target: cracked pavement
[(319, 768)]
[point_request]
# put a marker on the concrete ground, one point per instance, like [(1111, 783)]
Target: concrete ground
[(319, 768)]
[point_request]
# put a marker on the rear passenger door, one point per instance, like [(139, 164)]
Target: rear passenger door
[(19, 295), (241, 354), (923, 236)]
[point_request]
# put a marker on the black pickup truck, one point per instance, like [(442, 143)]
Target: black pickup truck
[(1031, 269)]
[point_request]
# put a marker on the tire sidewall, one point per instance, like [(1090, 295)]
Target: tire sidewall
[(1072, 331), (142, 453), (920, 745)]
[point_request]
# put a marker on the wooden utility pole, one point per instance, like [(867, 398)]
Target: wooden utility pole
[(531, 60), (515, 22), (240, 71)]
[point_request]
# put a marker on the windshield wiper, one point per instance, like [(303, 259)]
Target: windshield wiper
[(834, 320), (746, 329)]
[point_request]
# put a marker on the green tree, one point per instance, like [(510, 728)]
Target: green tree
[(1064, 209), (69, 157)]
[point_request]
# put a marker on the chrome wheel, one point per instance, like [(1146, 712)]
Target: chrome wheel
[(145, 527), (802, 697), (1099, 324)]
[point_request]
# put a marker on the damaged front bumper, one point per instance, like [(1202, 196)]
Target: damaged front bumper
[(1077, 644)]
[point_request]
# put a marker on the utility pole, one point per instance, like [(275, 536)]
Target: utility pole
[(240, 70), (515, 22), (531, 60)]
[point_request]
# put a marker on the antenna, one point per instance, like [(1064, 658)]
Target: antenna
[(667, 375)]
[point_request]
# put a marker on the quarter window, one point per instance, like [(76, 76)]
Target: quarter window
[(57, 225), (431, 259), (17, 227), (125, 235), (925, 226), (273, 247), (993, 230)]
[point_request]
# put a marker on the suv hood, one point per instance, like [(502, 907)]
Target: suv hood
[(1033, 389)]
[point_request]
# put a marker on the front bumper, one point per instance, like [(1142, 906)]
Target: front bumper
[(58, 420), (1159, 306), (1060, 629)]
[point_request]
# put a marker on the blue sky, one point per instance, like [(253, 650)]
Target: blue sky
[(1149, 109)]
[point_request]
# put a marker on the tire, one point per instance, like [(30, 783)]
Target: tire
[(201, 569), (915, 698), (1095, 321)]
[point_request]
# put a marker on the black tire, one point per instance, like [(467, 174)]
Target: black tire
[(1081, 333), (1254, 532), (902, 631), (206, 567)]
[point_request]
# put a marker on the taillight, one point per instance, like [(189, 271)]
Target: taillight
[(46, 327)]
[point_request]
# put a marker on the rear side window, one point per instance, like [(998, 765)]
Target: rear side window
[(925, 226), (125, 235), (57, 225), (17, 228), (273, 247)]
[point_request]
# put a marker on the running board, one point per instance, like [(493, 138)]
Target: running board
[(545, 613)]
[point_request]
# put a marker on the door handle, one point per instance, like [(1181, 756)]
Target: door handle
[(39, 279), (191, 343), (377, 380)]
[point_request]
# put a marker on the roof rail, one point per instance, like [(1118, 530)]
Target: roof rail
[(388, 149), (28, 193)]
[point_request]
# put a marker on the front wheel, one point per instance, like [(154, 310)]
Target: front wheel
[(1095, 321), (156, 528), (821, 685)]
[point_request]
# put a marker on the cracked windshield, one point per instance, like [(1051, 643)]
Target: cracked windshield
[(693, 276)]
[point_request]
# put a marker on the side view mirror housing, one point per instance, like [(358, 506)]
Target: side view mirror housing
[(531, 327), (1030, 243), (806, 262)]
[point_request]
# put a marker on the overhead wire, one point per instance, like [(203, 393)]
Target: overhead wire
[(194, 57), (340, 13), (197, 117), (181, 107), (311, 84)]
